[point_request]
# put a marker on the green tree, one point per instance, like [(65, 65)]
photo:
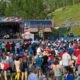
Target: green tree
[(30, 9), (55, 4), (2, 8)]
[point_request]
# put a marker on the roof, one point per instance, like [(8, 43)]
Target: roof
[(28, 23), (10, 19), (37, 23)]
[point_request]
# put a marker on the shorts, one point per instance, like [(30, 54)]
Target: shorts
[(9, 70), (65, 68), (25, 70), (1, 70)]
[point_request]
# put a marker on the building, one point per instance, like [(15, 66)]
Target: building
[(40, 28)]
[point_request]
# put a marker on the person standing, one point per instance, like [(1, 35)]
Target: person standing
[(17, 47), (33, 74), (39, 49), (8, 47), (24, 68), (78, 66), (44, 65), (13, 47), (1, 69), (66, 58), (69, 74), (57, 69), (77, 51), (3, 46), (6, 66), (17, 66)]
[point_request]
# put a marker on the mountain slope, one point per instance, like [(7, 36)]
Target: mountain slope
[(60, 15)]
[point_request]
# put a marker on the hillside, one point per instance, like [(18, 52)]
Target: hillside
[(70, 12), (60, 15)]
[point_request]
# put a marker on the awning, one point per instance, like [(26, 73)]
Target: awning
[(33, 29), (47, 30), (37, 30)]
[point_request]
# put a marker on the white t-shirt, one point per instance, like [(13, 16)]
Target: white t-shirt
[(60, 62), (17, 45), (39, 50), (33, 76), (66, 59), (56, 51), (17, 65)]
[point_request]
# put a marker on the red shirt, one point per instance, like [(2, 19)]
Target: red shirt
[(75, 45), (8, 46), (48, 50), (61, 54), (78, 60), (77, 52), (6, 66), (51, 57)]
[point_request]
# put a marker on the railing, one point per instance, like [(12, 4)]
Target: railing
[(10, 40)]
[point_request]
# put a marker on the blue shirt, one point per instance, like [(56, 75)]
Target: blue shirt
[(30, 49), (21, 53), (32, 76), (69, 77), (70, 50), (38, 61)]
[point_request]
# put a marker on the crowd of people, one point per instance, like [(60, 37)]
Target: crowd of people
[(9, 35), (40, 60), (7, 32)]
